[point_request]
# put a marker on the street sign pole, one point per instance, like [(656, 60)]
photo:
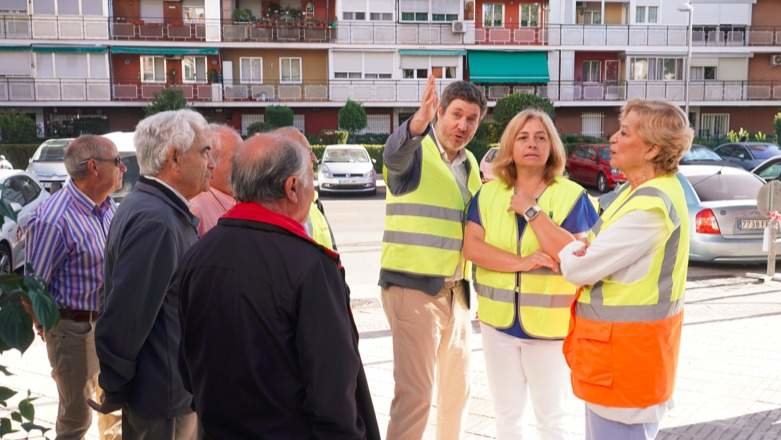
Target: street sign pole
[(769, 205)]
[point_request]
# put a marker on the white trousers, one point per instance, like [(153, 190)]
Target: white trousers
[(518, 368)]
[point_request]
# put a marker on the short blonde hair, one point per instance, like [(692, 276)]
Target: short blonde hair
[(504, 165), (665, 125)]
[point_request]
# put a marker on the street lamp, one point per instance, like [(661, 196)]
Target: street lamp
[(688, 7)]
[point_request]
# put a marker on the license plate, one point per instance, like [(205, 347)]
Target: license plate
[(752, 224), (347, 181)]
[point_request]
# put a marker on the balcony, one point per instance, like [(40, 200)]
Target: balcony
[(371, 32), (512, 36), (124, 28), (276, 32), (34, 89), (148, 91), (53, 27)]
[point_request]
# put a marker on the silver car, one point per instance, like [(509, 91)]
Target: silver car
[(47, 164), (725, 223), (346, 169), (21, 193)]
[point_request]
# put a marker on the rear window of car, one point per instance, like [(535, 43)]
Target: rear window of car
[(701, 154), (715, 187), (764, 151)]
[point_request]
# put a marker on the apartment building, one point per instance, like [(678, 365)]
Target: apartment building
[(104, 60)]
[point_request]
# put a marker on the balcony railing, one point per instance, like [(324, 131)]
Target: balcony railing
[(123, 28), (372, 32), (36, 89), (148, 91), (279, 32), (61, 27)]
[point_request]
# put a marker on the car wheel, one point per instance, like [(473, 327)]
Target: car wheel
[(601, 183), (5, 259)]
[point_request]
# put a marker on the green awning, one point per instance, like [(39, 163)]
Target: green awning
[(14, 48), (432, 52), (165, 51), (497, 67), (67, 49)]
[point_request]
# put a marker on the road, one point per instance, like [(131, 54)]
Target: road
[(357, 222)]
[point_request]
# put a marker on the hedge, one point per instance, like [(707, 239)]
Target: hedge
[(18, 154)]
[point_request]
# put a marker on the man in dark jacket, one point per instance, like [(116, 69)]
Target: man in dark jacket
[(268, 341), (137, 334)]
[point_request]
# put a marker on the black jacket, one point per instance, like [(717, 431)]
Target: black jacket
[(137, 334), (269, 345)]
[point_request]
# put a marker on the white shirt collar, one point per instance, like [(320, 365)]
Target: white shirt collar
[(178, 194)]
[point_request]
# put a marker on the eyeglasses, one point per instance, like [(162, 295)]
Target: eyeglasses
[(117, 160)]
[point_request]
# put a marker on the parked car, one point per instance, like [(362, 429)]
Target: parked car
[(769, 169), (486, 164), (23, 195), (346, 169), (47, 165), (702, 155), (725, 225), (748, 154), (590, 165)]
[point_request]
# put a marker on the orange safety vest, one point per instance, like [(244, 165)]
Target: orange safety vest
[(623, 339)]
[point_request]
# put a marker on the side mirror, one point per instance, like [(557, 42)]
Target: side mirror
[(374, 161)]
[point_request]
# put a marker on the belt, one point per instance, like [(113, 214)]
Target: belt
[(78, 315)]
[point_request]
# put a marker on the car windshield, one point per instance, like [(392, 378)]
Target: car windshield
[(700, 153), (345, 155), (764, 151), (719, 186), (53, 153), (131, 175)]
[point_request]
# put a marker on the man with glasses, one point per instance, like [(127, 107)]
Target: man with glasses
[(65, 247)]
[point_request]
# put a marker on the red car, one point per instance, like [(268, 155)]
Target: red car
[(590, 165)]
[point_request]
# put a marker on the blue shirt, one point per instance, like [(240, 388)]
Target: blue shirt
[(580, 219)]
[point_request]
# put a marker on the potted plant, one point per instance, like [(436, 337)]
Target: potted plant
[(242, 15)]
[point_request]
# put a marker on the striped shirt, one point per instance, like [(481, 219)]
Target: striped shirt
[(66, 242)]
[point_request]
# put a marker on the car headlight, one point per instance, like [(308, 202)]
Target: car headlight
[(369, 174), (325, 173), (615, 171)]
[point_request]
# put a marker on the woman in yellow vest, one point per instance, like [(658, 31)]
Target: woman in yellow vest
[(626, 323), (523, 302)]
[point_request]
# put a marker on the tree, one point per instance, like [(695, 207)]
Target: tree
[(168, 99), (279, 116), (352, 117), (509, 106), (17, 128), (777, 126)]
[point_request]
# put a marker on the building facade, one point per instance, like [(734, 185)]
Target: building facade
[(103, 60)]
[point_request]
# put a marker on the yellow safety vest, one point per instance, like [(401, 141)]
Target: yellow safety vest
[(544, 297), (659, 293), (321, 232), (424, 229)]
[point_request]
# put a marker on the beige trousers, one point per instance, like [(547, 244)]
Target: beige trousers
[(71, 349), (430, 341)]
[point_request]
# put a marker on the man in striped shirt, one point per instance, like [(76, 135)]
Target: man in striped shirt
[(65, 247)]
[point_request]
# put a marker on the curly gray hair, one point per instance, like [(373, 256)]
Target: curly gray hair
[(157, 134)]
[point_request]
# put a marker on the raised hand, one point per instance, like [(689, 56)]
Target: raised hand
[(428, 108)]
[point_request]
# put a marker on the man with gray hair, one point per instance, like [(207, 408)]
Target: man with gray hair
[(211, 204), (65, 247), (268, 341), (137, 335)]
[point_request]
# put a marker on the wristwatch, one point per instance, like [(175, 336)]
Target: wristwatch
[(531, 213)]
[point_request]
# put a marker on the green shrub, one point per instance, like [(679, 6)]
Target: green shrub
[(777, 126), (509, 106), (331, 137), (242, 15), (18, 154), (370, 138), (258, 127), (17, 128), (352, 117), (279, 116), (168, 99)]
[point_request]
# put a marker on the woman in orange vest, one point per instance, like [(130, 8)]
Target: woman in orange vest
[(625, 329)]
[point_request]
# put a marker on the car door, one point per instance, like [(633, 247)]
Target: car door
[(590, 168), (29, 194), (574, 163)]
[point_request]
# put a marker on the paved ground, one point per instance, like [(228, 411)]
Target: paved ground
[(729, 380)]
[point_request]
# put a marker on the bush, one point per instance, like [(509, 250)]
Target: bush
[(258, 127), (352, 117), (279, 116), (777, 126), (18, 154), (370, 138), (509, 106), (480, 144), (168, 99), (242, 15), (17, 128), (331, 137)]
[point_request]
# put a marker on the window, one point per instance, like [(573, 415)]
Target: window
[(194, 69), (530, 15), (14, 6), (657, 69), (592, 126), (714, 125), (588, 13), (67, 7), (444, 17), (415, 73), (703, 73), (448, 72), (20, 189), (493, 14), (289, 70), (414, 16), (43, 7), (193, 13), (646, 14), (353, 15), (153, 69), (381, 16), (251, 70), (248, 119), (345, 75), (469, 10), (592, 71), (377, 76)]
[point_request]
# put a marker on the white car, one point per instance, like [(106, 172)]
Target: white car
[(22, 194), (346, 169)]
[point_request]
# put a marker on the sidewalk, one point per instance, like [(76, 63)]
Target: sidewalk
[(729, 378)]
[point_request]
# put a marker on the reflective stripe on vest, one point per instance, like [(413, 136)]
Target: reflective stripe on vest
[(544, 296), (617, 327), (424, 229)]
